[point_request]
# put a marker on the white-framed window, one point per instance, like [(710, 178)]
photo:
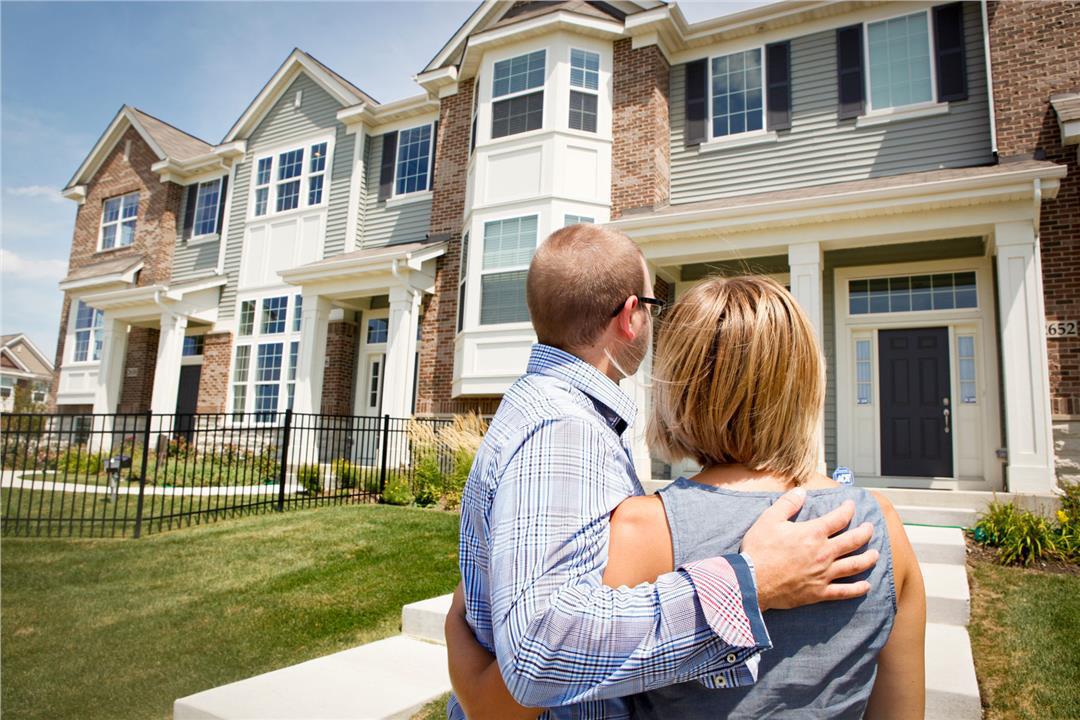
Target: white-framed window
[(463, 275), (577, 220), (118, 217), (291, 179), (194, 345), (965, 356), (584, 89), (508, 248), (864, 372), (413, 166), (39, 392), (378, 330), (736, 100), (7, 386), (266, 355), (517, 92), (207, 199), (89, 324), (914, 293), (900, 61)]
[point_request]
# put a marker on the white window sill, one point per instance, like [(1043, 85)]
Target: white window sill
[(114, 248), (414, 197), (203, 239), (900, 114), (272, 216), (756, 137)]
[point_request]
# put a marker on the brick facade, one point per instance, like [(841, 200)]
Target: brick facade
[(214, 378), (139, 366), (1035, 53), (640, 154), (339, 374)]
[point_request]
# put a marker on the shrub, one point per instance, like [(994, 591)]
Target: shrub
[(1021, 537), (397, 490), (309, 478), (1069, 523), (453, 446), (78, 460), (346, 474)]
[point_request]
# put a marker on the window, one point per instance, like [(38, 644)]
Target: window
[(262, 185), (273, 315), (39, 392), (291, 179), (316, 174), (508, 248), (294, 356), (521, 110), (374, 384), (577, 220), (377, 330), (88, 331), (193, 345), (247, 317), (240, 378), (413, 160), (899, 57), (463, 274), (207, 197), (298, 312), (944, 291), (736, 93), (7, 387), (118, 221), (268, 387), (965, 354), (585, 85), (290, 166), (863, 373), (267, 381)]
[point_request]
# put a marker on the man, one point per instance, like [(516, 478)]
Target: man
[(535, 518)]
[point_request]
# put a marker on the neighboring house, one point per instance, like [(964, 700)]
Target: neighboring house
[(23, 368), (370, 258)]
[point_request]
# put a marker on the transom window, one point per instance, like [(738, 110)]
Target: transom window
[(264, 366), (377, 330), (584, 92), (194, 345), (89, 324), (899, 56), (522, 107), (118, 218), (291, 179), (736, 96), (208, 195), (413, 160), (943, 291), (508, 248)]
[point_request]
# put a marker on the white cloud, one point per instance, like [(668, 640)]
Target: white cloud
[(29, 269), (44, 191)]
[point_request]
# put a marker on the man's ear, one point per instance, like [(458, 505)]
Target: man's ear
[(625, 319)]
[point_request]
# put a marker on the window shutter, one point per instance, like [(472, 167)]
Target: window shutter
[(849, 72), (434, 147), (221, 204), (386, 168), (778, 82), (697, 85), (189, 209), (949, 48)]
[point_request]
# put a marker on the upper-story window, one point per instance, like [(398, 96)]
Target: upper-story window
[(898, 51), (518, 105), (207, 198), (736, 93), (88, 328), (291, 179), (584, 89), (508, 248), (118, 221), (413, 160)]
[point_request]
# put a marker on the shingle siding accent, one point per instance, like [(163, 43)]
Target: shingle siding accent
[(821, 149), (384, 225), (640, 156)]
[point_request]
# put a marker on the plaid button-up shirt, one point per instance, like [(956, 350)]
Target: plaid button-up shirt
[(534, 542)]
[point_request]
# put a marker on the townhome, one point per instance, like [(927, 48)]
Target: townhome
[(24, 370)]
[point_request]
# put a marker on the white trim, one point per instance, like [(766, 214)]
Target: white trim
[(275, 153), (408, 198), (709, 95), (867, 90), (901, 113), (746, 139)]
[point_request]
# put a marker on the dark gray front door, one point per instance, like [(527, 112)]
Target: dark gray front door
[(187, 400), (916, 419)]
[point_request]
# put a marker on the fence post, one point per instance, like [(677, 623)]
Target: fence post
[(283, 471), (142, 472), (385, 448)]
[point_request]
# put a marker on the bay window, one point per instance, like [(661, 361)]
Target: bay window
[(518, 106), (118, 218), (89, 324), (508, 248), (736, 97), (584, 89), (899, 54), (265, 361), (291, 179)]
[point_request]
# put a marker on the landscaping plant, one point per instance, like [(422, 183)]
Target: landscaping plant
[(309, 478), (1022, 537)]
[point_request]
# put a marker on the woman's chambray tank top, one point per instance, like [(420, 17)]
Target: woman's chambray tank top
[(824, 656)]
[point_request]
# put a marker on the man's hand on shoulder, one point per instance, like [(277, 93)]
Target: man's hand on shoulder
[(798, 563)]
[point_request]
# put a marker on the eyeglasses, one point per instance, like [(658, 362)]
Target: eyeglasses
[(655, 305)]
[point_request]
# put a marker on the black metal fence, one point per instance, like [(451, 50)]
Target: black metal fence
[(113, 475)]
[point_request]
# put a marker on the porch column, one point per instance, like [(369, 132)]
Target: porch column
[(170, 351), (312, 357), (1025, 370), (805, 261), (110, 378), (638, 389), (401, 351)]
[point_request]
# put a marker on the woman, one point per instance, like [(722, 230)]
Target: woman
[(739, 386)]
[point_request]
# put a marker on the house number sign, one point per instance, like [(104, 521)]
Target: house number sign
[(1062, 328)]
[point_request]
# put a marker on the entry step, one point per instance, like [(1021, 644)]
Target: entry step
[(952, 692), (425, 619)]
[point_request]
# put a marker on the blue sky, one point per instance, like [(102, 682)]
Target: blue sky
[(67, 67)]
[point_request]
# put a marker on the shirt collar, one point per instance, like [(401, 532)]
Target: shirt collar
[(551, 361)]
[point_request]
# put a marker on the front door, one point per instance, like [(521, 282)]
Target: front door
[(187, 400), (916, 432)]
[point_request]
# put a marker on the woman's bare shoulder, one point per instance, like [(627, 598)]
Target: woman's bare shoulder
[(640, 548)]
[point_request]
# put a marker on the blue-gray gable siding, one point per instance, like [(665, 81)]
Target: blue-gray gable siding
[(382, 225), (820, 149), (192, 260)]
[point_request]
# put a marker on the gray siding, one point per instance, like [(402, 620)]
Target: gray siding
[(384, 225), (282, 125), (819, 149), (189, 260)]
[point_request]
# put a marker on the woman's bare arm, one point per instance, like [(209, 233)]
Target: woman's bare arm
[(640, 545), (900, 689)]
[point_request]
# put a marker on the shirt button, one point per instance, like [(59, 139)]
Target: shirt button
[(731, 657)]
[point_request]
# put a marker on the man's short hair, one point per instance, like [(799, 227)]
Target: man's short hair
[(577, 277)]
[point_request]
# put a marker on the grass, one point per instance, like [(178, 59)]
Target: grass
[(1025, 625), (120, 628), (434, 710)]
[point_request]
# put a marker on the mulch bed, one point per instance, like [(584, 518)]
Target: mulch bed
[(989, 554)]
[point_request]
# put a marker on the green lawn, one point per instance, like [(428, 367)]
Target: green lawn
[(1025, 635), (120, 628)]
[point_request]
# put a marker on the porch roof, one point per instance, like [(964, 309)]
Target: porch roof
[(380, 259), (114, 270)]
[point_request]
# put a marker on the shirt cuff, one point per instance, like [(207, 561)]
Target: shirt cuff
[(727, 594)]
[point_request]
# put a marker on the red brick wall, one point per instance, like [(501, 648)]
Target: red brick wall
[(340, 371), (640, 154), (138, 377), (214, 378), (1035, 53)]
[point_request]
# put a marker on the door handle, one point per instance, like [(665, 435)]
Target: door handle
[(946, 413)]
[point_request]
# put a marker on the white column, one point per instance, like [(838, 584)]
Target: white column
[(170, 351), (638, 389), (110, 378), (1025, 370), (401, 351), (312, 358), (806, 261)]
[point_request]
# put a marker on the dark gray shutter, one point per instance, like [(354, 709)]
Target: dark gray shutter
[(849, 72), (778, 82), (949, 48), (221, 204), (695, 130), (434, 147), (189, 209), (386, 168)]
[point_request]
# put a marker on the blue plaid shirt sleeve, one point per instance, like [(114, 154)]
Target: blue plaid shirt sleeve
[(561, 636)]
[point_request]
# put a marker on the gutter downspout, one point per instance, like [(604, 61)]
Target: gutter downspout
[(989, 81)]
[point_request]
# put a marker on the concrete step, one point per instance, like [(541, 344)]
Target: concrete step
[(424, 619), (952, 692), (943, 545), (941, 516), (948, 601), (391, 678)]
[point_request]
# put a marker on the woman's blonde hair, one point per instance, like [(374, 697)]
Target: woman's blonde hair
[(738, 377)]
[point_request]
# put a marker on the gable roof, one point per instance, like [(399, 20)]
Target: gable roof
[(166, 141), (298, 62), (8, 345)]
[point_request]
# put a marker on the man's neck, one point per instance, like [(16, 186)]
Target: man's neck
[(599, 359)]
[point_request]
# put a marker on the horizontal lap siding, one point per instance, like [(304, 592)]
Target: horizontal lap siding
[(389, 225), (192, 260), (820, 149)]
